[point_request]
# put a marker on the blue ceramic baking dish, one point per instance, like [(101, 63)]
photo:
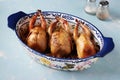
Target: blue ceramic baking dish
[(18, 22)]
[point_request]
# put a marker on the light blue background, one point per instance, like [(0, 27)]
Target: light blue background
[(15, 64)]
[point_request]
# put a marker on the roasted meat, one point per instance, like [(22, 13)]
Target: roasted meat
[(85, 43), (37, 37), (60, 39)]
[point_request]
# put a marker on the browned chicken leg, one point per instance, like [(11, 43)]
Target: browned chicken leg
[(37, 38), (60, 40), (85, 44)]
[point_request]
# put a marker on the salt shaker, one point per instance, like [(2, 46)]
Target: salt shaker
[(102, 11), (90, 7)]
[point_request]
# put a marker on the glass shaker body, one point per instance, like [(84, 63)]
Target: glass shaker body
[(90, 7), (102, 11)]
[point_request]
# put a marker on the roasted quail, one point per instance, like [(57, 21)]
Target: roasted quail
[(85, 44), (37, 37), (60, 39)]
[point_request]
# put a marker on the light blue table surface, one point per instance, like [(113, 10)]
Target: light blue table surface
[(15, 64)]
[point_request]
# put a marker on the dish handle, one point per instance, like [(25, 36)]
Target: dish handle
[(107, 47), (13, 19)]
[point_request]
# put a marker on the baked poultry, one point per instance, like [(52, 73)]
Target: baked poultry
[(85, 44), (37, 37), (60, 39)]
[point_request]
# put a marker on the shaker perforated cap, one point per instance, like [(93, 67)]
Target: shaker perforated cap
[(104, 3)]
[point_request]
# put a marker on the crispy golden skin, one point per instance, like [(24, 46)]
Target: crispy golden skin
[(60, 39), (37, 37), (85, 44)]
